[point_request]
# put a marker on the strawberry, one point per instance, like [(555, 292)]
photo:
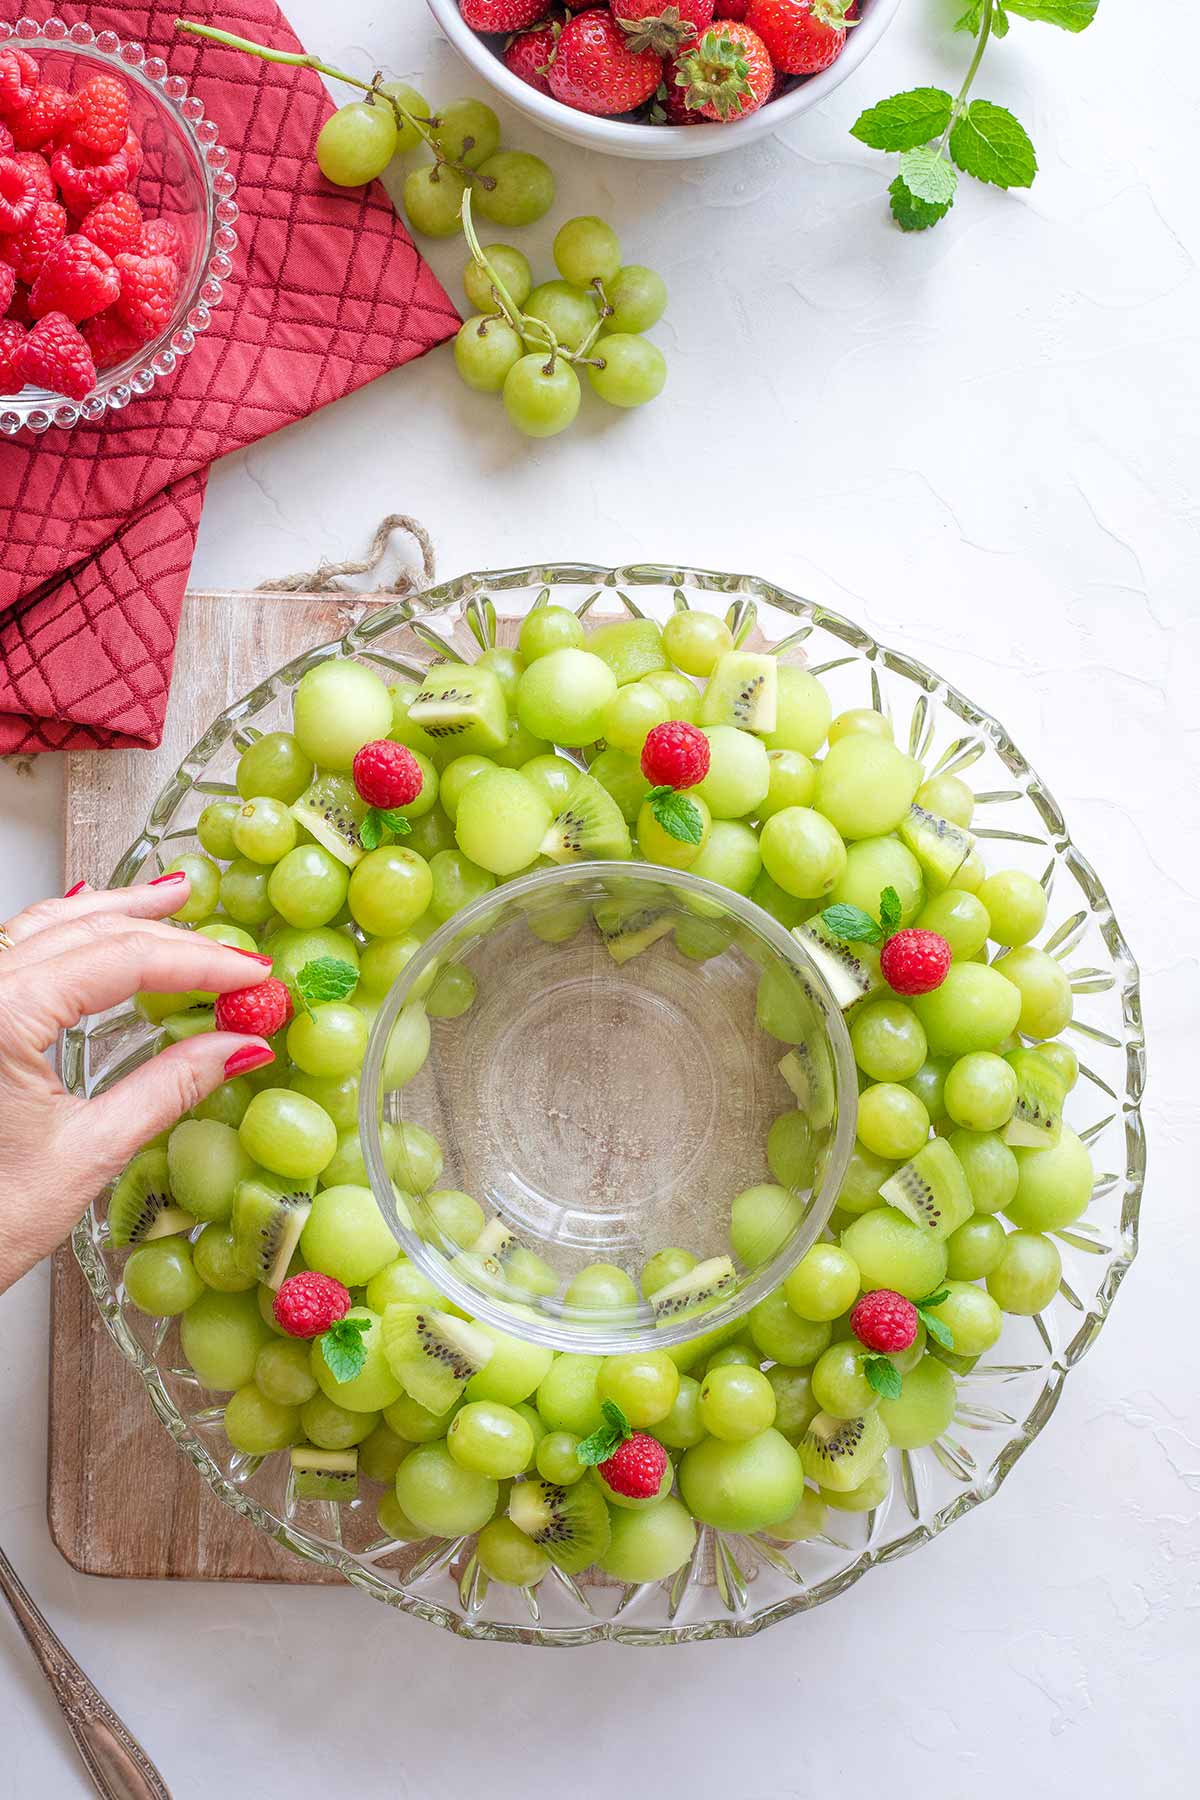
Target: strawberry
[(387, 774), (77, 279), (11, 335), (915, 962), (54, 356), (728, 74), (110, 339), (595, 71), (671, 98), (255, 1011), (802, 36), (43, 119), (308, 1304), (115, 225), (734, 9), (528, 55), (503, 15), (99, 116), (653, 25), (18, 78), (27, 249), (84, 184), (160, 237), (884, 1321), (149, 285), (18, 196), (675, 755)]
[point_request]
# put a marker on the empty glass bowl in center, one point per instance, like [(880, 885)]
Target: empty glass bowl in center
[(635, 1112)]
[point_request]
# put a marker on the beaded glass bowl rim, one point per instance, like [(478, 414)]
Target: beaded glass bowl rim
[(471, 590), (184, 113)]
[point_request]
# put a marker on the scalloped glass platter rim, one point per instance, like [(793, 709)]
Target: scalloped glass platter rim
[(736, 1586)]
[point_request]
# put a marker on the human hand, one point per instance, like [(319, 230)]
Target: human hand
[(64, 959)]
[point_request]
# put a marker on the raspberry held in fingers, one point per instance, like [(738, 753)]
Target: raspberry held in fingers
[(257, 1011)]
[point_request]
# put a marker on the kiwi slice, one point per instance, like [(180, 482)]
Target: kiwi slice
[(266, 1226), (462, 706), (631, 648), (524, 1271), (1036, 1122), (742, 691), (142, 1205), (839, 1454), (851, 970), (590, 825), (570, 1524), (931, 1190), (628, 930), (433, 1355), (331, 810), (940, 846), (808, 1071), (703, 1283), (324, 1474)]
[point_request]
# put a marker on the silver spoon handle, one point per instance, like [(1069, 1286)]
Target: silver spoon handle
[(116, 1762)]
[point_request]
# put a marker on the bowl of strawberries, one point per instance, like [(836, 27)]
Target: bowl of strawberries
[(117, 218), (661, 79)]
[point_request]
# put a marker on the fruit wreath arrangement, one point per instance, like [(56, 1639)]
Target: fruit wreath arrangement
[(352, 838)]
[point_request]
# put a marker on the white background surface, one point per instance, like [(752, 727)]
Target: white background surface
[(982, 444)]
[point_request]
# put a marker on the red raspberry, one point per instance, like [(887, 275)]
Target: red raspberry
[(77, 279), (116, 224), (254, 1011), (636, 1468), (110, 339), (160, 237), (99, 116), (675, 755), (18, 196), (8, 287), (884, 1321), (308, 1304), (54, 356), (18, 306), (84, 185), (528, 56), (39, 170), (26, 250), (131, 150), (11, 336), (915, 962), (6, 140), (18, 78), (387, 774), (149, 285), (43, 119)]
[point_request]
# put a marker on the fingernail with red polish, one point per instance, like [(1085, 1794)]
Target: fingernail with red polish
[(252, 954), (254, 1056), (77, 889), (175, 875)]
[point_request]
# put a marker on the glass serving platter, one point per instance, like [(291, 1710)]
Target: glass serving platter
[(734, 1586)]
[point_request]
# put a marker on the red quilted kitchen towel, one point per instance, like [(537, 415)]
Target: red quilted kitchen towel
[(98, 525)]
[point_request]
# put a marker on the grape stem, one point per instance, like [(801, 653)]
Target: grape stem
[(302, 59), (535, 334)]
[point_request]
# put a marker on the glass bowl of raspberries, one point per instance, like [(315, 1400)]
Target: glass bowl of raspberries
[(117, 223), (623, 76)]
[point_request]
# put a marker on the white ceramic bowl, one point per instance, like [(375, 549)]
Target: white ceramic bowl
[(660, 143)]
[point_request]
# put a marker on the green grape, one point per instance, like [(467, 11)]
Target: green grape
[(888, 1041), (500, 821), (649, 1545), (522, 190), (865, 785), (632, 714), (980, 1091), (742, 1487), (408, 1046), (556, 1460), (948, 797), (216, 1263), (975, 1248), (415, 1423), (245, 892), (1045, 991), (283, 1372), (860, 721), (823, 1285), (491, 1439), (989, 1166), (257, 1426), (681, 695), (339, 706), (331, 1040), (541, 397), (514, 1370), (1016, 906), (338, 1099), (466, 131), (400, 1281), (347, 1164), (395, 1523), (433, 195), (419, 1162), (664, 1266), (440, 1496), (204, 880), (506, 1554), (643, 1383), (839, 1385), (389, 890), (792, 782), (403, 731), (638, 297), (273, 765), (512, 268), (658, 845), (802, 852), (308, 887), (485, 349), (407, 135), (744, 1356), (206, 1162), (892, 1252), (292, 948), (381, 1454), (761, 1220), (621, 776), (929, 1085), (570, 312), (1054, 1186), (375, 1386), (736, 1402), (533, 1419), (925, 1406), (431, 833), (427, 794), (865, 1175), (333, 1427), (960, 918), (1063, 1061), (788, 910), (587, 250), (739, 772), (449, 1217), (783, 1336), (802, 712), (264, 830), (356, 143), (600, 1286), (875, 863), (682, 1426), (288, 1133), (161, 1279), (892, 1121), (214, 828), (808, 1520), (553, 777), (970, 1315), (566, 1395), (383, 962), (562, 696), (221, 1336), (627, 370), (974, 1008), (791, 1156), (347, 1236), (795, 1408), (696, 641), (549, 628), (452, 994), (730, 857), (1026, 1278), (521, 746)]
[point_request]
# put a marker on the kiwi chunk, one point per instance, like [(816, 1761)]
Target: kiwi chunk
[(462, 706), (433, 1355), (142, 1205), (839, 1454), (931, 1189), (524, 1271), (628, 930), (940, 846), (631, 648), (324, 1474), (590, 825), (331, 810), (808, 1071), (742, 691), (701, 1284), (266, 1229), (570, 1524), (851, 970), (1036, 1122)]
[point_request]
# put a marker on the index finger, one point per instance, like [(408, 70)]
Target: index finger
[(156, 899)]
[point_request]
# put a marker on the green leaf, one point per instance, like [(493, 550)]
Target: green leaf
[(1068, 15), (851, 923), (936, 1328), (611, 1435), (883, 1376), (989, 143), (972, 19), (905, 120), (679, 817), (343, 1348), (396, 822), (912, 214), (999, 23), (927, 174), (375, 822), (328, 978), (933, 1299), (890, 909)]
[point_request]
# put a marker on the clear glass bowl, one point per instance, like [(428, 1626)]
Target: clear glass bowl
[(602, 1110), (185, 177), (734, 1586)]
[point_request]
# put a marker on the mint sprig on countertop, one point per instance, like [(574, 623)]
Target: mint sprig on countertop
[(940, 135)]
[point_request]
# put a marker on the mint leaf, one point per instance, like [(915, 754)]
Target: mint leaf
[(679, 817), (972, 19), (933, 1299), (989, 143), (611, 1435), (851, 923), (926, 173), (999, 23), (889, 909), (1068, 15), (883, 1376), (912, 214), (376, 822), (936, 1328), (905, 120), (328, 978), (343, 1348)]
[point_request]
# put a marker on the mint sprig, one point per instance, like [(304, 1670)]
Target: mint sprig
[(883, 1375), (376, 820), (343, 1349), (679, 817), (937, 1329), (326, 978), (854, 926), (608, 1439)]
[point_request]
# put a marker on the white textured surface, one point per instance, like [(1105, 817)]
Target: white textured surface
[(982, 444)]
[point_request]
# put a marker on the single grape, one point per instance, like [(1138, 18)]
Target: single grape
[(440, 1496), (553, 776), (948, 797), (512, 268), (221, 1336), (808, 1520), (258, 1426), (1016, 906), (860, 721), (1063, 1061), (839, 1384), (925, 1406), (433, 197), (338, 707), (990, 1167), (974, 1008), (975, 1248), (960, 918), (214, 828), (244, 892), (587, 250), (283, 1372), (216, 1263), (971, 1316), (1045, 991), (1026, 1278), (739, 773), (980, 1091), (892, 1121), (521, 190), (638, 297), (562, 696), (650, 1545), (450, 1218), (204, 880), (381, 1454), (288, 1133), (824, 1284), (274, 765), (308, 886), (484, 351), (681, 695), (791, 1154), (696, 641), (500, 821), (466, 131), (761, 1220), (658, 845), (795, 1407), (356, 143), (740, 1355), (783, 1336), (802, 852), (888, 1041), (419, 1160), (570, 312), (507, 1554), (632, 714), (742, 1487), (1054, 1186), (929, 1085), (160, 1277), (337, 1098), (873, 864), (802, 712), (412, 101), (865, 785), (682, 1426), (389, 890), (627, 370), (492, 1439), (643, 1383), (567, 1398), (455, 882), (736, 1402), (549, 628), (329, 1040), (540, 397), (410, 1420), (334, 1427), (206, 1161), (892, 1252), (865, 1175), (556, 1460), (664, 1266), (600, 1287), (452, 994)]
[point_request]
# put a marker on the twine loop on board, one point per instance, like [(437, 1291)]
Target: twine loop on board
[(326, 577)]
